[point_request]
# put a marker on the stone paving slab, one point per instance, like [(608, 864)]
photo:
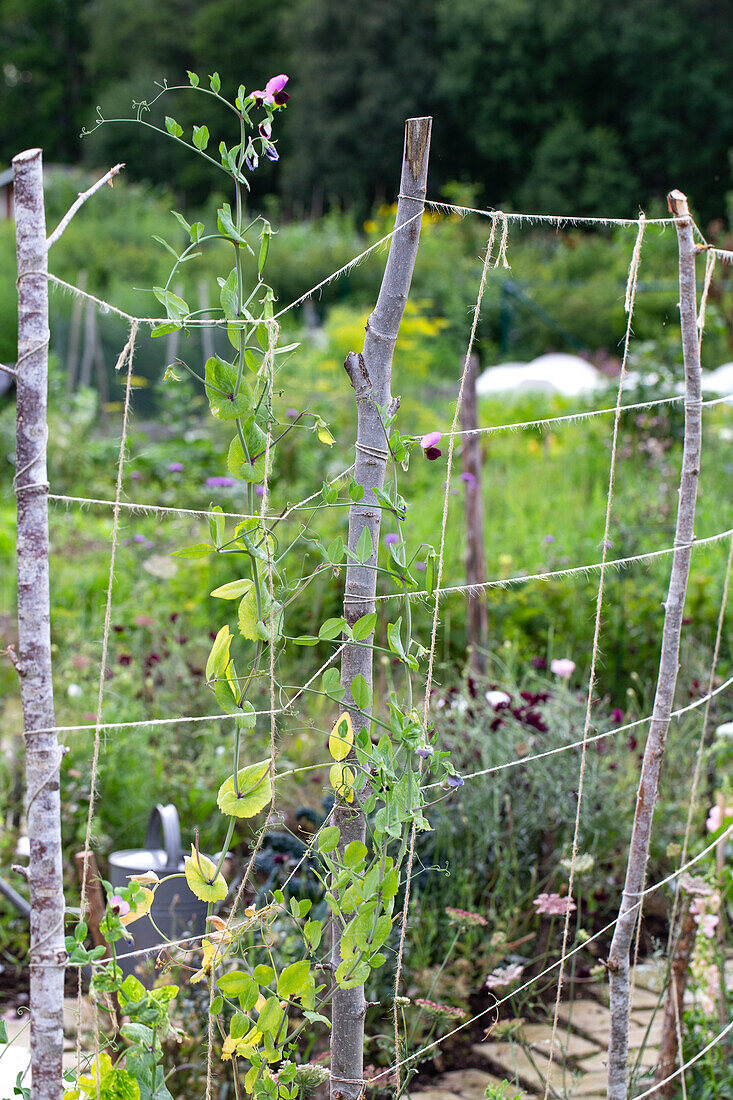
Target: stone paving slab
[(468, 1083), (567, 1043), (515, 1063), (587, 1017)]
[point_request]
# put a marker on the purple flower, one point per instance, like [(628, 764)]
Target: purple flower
[(273, 92), (468, 477), (608, 544), (219, 482), (251, 159), (259, 490), (549, 538), (119, 906), (617, 716), (270, 151), (454, 781), (148, 544), (430, 440), (432, 453), (265, 129), (292, 413), (138, 538), (175, 467), (391, 539), (420, 566), (425, 751), (135, 475)]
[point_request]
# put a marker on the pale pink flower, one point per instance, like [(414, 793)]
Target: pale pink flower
[(497, 698), (504, 976), (717, 816), (563, 667), (552, 905), (707, 923), (430, 440)]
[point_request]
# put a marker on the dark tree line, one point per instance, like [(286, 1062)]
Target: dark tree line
[(571, 105)]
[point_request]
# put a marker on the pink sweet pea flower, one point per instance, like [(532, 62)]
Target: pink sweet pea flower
[(430, 440), (273, 92)]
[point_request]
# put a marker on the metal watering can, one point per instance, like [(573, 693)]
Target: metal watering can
[(176, 911)]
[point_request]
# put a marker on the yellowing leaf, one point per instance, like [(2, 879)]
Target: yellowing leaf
[(219, 656), (142, 903), (233, 590), (248, 617), (255, 791), (202, 879), (342, 737), (325, 436), (342, 779), (243, 1046)]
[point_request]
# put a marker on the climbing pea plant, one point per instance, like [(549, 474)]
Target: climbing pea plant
[(385, 767)]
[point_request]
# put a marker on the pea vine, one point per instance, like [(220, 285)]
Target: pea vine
[(262, 1009)]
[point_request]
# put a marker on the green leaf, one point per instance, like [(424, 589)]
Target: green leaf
[(165, 330), (305, 639), (328, 838), (354, 853), (255, 791), (165, 244), (193, 79), (270, 1016), (201, 878), (313, 932), (249, 998), (331, 685), (175, 307), (364, 626), (198, 550), (215, 82), (332, 628), (263, 974), (4, 1032), (225, 222), (216, 525), (356, 491), (241, 466), (361, 693), (217, 1005), (265, 236), (228, 296), (247, 719), (233, 590), (195, 232), (221, 383), (335, 551), (247, 617), (394, 639), (172, 127), (365, 546), (235, 983), (200, 137), (293, 978)]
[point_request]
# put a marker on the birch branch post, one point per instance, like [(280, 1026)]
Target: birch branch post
[(618, 960), (370, 373), (42, 751)]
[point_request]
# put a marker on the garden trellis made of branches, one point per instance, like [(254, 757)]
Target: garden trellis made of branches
[(360, 487)]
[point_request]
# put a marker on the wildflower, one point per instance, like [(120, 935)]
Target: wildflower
[(420, 566), (425, 751), (463, 916), (310, 1076), (175, 467), (73, 691), (552, 905), (549, 538), (608, 544), (562, 667), (265, 129), (270, 151), (435, 1009), (715, 817), (219, 482), (292, 413), (617, 716), (454, 781), (259, 491), (273, 93), (135, 475), (504, 976), (468, 477), (584, 864), (497, 699), (391, 539), (138, 538), (118, 905), (707, 923)]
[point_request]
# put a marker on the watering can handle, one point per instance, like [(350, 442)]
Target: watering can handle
[(163, 826)]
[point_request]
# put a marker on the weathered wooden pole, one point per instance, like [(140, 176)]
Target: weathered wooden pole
[(42, 751), (477, 620), (370, 373), (618, 960)]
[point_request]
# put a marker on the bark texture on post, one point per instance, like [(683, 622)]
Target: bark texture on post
[(370, 373), (43, 755), (618, 960), (673, 1005), (477, 619)]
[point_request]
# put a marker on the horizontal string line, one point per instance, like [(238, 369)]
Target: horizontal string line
[(571, 572)]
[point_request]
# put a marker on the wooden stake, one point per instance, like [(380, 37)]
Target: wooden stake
[(477, 621), (370, 373), (618, 961), (42, 751), (668, 1044)]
